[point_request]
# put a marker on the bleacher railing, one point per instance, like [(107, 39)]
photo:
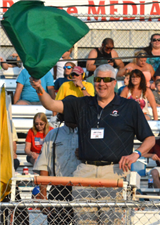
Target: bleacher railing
[(77, 201), (129, 24)]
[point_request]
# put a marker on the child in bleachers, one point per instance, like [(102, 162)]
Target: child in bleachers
[(35, 137), (126, 82)]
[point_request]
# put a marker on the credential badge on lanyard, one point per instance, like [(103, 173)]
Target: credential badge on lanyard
[(97, 133)]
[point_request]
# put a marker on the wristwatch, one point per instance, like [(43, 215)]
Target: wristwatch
[(83, 88)]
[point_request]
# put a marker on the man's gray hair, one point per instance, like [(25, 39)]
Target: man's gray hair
[(105, 68)]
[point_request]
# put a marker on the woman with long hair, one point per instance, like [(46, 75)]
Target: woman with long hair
[(35, 137), (139, 63), (138, 91), (154, 50)]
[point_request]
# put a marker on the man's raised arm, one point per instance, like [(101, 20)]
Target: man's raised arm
[(46, 100)]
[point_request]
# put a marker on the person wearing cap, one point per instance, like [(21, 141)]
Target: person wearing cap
[(76, 86), (63, 164), (107, 125)]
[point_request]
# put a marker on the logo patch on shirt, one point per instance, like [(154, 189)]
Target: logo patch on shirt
[(114, 113), (38, 141)]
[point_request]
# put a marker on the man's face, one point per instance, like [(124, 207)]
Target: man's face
[(104, 90), (158, 87), (107, 48), (76, 77)]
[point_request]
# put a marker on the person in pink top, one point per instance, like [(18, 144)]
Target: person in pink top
[(138, 91), (35, 137), (140, 64)]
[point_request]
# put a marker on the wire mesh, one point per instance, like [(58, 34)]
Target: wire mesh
[(128, 35), (71, 204)]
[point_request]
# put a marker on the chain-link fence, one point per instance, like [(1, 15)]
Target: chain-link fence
[(72, 201), (128, 35)]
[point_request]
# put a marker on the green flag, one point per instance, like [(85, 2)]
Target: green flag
[(41, 34)]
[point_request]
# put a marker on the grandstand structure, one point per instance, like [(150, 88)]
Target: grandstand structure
[(130, 26)]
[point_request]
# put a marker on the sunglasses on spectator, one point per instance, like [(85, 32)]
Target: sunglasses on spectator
[(67, 67), (109, 48), (41, 124), (142, 54), (154, 39), (105, 79), (74, 74)]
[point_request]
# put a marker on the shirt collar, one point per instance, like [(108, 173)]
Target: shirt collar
[(69, 130), (116, 100)]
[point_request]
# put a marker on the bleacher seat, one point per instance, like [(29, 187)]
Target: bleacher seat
[(9, 84)]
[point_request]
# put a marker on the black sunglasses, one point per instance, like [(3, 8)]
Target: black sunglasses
[(154, 39), (105, 79), (74, 74), (109, 48), (67, 67)]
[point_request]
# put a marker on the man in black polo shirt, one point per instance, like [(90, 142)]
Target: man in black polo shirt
[(107, 124)]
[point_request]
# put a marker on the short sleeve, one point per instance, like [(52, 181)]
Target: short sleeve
[(22, 77), (61, 92), (44, 161), (49, 79), (29, 136)]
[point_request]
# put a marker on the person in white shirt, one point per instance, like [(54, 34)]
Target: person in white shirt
[(58, 68)]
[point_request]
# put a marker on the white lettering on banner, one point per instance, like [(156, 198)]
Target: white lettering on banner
[(121, 7)]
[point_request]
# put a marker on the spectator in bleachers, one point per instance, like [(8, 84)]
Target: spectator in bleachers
[(138, 91), (140, 64), (68, 67), (157, 73), (126, 82), (76, 86), (15, 139), (35, 137), (156, 92), (58, 68), (154, 153), (154, 50), (58, 159), (106, 52), (5, 65), (25, 94)]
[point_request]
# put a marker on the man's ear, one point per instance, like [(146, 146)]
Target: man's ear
[(115, 81)]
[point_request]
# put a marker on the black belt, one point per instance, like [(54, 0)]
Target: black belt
[(99, 163)]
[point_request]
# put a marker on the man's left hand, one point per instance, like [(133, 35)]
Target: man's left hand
[(126, 161)]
